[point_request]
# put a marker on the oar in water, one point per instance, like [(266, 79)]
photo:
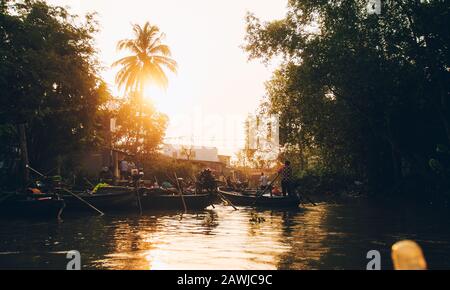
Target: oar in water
[(138, 198), (181, 192), (226, 200)]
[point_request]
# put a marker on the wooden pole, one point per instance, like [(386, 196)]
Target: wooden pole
[(138, 198), (181, 192)]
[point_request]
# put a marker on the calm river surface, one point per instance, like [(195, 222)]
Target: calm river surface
[(328, 236)]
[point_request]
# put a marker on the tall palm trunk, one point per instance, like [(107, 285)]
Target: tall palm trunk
[(141, 121)]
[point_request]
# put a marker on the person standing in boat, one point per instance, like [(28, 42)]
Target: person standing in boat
[(124, 169), (286, 179)]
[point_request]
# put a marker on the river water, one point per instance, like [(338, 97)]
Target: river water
[(326, 236)]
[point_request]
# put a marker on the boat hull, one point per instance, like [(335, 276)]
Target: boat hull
[(161, 200), (252, 200), (106, 200), (35, 208)]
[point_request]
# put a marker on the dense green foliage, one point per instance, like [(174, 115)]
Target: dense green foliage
[(361, 94), (140, 128), (48, 80)]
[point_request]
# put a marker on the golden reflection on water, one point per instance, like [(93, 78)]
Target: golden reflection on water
[(220, 239), (329, 236)]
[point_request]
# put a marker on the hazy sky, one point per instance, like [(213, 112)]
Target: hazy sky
[(216, 87)]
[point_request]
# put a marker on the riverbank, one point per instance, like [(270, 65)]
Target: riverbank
[(342, 189)]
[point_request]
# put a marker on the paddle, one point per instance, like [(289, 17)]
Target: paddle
[(181, 192), (226, 200), (85, 202)]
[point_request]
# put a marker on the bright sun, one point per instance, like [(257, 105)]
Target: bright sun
[(160, 98)]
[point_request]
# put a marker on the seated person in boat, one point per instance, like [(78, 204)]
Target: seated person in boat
[(106, 175), (229, 183)]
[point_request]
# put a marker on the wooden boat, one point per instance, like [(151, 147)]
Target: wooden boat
[(161, 199), (27, 206), (106, 199), (254, 199)]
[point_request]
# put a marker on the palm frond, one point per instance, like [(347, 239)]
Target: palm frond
[(128, 44), (161, 49), (158, 75), (125, 61), (167, 62)]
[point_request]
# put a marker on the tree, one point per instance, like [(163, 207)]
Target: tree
[(49, 80), (145, 66), (188, 152), (368, 94), (138, 120)]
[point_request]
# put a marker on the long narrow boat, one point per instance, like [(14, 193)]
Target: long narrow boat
[(106, 199), (36, 207), (254, 199), (160, 199)]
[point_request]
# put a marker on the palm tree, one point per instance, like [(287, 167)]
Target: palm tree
[(145, 66)]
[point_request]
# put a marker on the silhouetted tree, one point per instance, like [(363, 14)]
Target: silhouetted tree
[(368, 93)]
